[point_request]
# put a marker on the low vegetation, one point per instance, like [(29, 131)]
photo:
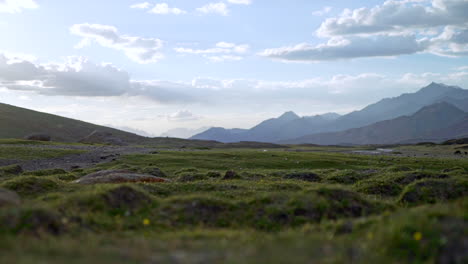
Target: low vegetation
[(240, 206)]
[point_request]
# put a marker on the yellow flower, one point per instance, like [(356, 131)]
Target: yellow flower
[(146, 222), (417, 236), (370, 235)]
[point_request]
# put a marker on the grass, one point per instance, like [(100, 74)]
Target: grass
[(24, 153), (282, 207)]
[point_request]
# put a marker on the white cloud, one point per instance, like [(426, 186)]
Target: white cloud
[(182, 116), (138, 49), (16, 6), (78, 77), (322, 11), (222, 51), (144, 5), (219, 8), (164, 9), (341, 48), (397, 27), (240, 2), (394, 16)]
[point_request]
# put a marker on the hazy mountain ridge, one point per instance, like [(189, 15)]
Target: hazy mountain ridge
[(290, 127), (424, 124)]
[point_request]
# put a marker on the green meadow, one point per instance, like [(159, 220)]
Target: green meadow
[(240, 206)]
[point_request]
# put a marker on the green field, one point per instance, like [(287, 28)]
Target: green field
[(279, 207)]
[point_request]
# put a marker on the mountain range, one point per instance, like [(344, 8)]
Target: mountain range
[(435, 112)]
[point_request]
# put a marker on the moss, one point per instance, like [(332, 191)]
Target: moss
[(189, 177), (30, 186), (432, 191), (199, 210), (213, 174), (10, 170), (379, 187), (347, 176), (46, 172), (109, 199), (31, 220), (422, 235), (303, 176), (412, 177)]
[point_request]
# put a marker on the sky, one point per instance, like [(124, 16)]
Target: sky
[(154, 66)]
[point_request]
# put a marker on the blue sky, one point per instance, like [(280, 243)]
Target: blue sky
[(159, 65)]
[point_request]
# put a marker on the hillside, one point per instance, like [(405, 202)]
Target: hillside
[(431, 122), (18, 122)]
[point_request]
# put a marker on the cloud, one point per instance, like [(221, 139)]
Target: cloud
[(16, 6), (78, 77), (182, 116), (164, 9), (219, 8), (394, 16), (222, 51), (144, 5), (342, 48), (397, 27), (240, 2), (452, 42), (138, 49), (322, 11)]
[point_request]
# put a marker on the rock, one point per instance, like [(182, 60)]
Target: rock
[(231, 175), (39, 137), (118, 176), (100, 137), (9, 198), (304, 176), (457, 152), (154, 172)]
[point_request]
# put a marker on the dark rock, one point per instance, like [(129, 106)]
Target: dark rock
[(39, 137), (231, 175), (213, 174), (9, 198), (118, 176), (303, 176), (457, 152)]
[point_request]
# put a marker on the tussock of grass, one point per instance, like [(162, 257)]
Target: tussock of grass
[(30, 186)]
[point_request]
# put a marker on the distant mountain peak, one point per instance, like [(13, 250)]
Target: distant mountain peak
[(289, 116), (433, 86)]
